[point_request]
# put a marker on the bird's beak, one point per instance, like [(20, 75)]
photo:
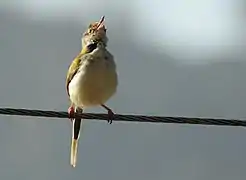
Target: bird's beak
[(101, 23)]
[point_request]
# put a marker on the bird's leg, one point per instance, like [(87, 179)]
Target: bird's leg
[(71, 112), (110, 113)]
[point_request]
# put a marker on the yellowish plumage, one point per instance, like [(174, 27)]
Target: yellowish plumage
[(91, 78), (74, 151), (74, 66), (95, 80)]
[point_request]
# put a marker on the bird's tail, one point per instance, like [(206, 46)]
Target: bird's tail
[(77, 123)]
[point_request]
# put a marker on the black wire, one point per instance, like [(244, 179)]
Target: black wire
[(129, 118)]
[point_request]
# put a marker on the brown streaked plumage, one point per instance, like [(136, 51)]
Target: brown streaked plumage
[(96, 32)]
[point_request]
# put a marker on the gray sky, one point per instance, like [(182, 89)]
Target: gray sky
[(174, 58)]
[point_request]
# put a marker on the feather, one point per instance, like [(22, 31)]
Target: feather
[(77, 126), (75, 65)]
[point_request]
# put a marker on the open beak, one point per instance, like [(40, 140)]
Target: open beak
[(101, 23)]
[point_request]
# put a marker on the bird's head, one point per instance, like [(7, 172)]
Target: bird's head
[(95, 32)]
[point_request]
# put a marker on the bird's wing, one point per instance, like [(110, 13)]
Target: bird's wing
[(75, 65), (73, 69), (78, 61)]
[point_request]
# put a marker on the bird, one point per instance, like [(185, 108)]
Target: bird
[(91, 80)]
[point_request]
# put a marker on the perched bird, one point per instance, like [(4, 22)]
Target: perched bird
[(91, 79)]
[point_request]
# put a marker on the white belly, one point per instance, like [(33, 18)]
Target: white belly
[(93, 85)]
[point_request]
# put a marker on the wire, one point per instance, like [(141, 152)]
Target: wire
[(129, 118)]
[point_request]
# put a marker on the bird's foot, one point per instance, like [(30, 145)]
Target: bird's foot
[(71, 113), (110, 114)]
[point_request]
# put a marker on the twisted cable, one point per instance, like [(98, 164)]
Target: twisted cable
[(129, 118)]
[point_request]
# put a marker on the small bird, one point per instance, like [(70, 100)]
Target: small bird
[(91, 79)]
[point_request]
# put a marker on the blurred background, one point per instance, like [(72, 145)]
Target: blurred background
[(174, 57)]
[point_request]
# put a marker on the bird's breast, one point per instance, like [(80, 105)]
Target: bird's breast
[(94, 83)]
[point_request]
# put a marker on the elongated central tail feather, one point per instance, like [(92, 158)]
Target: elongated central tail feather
[(77, 123)]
